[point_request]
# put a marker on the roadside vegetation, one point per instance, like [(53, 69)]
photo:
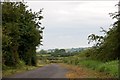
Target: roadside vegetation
[(8, 71), (108, 68), (22, 67), (103, 56), (78, 71), (21, 34)]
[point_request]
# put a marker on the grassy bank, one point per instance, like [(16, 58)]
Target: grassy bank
[(83, 72), (13, 70), (110, 68)]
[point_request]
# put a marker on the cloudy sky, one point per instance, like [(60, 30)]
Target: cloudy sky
[(68, 23)]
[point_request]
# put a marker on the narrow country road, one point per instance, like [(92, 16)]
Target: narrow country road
[(49, 71)]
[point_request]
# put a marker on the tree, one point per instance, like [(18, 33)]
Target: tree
[(43, 52), (109, 46), (22, 32)]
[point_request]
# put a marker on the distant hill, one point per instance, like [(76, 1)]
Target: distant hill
[(74, 49), (69, 49)]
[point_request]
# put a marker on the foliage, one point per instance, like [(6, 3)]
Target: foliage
[(110, 67), (22, 32), (48, 58), (62, 53), (106, 47), (43, 52)]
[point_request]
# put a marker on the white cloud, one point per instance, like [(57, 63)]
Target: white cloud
[(68, 23)]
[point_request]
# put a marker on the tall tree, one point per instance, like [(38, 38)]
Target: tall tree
[(21, 33), (109, 47)]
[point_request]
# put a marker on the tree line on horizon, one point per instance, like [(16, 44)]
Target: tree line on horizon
[(60, 52)]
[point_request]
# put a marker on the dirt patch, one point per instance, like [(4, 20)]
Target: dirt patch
[(82, 72)]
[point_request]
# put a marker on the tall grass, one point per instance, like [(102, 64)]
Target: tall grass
[(83, 59), (110, 67), (90, 63)]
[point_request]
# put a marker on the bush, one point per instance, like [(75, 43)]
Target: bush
[(21, 63)]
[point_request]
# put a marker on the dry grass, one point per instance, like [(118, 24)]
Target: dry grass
[(80, 72)]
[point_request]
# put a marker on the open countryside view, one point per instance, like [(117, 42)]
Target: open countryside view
[(60, 39)]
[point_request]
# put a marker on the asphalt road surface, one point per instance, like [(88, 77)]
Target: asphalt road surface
[(49, 71)]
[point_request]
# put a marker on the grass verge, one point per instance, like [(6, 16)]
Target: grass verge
[(83, 72), (110, 67), (8, 71)]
